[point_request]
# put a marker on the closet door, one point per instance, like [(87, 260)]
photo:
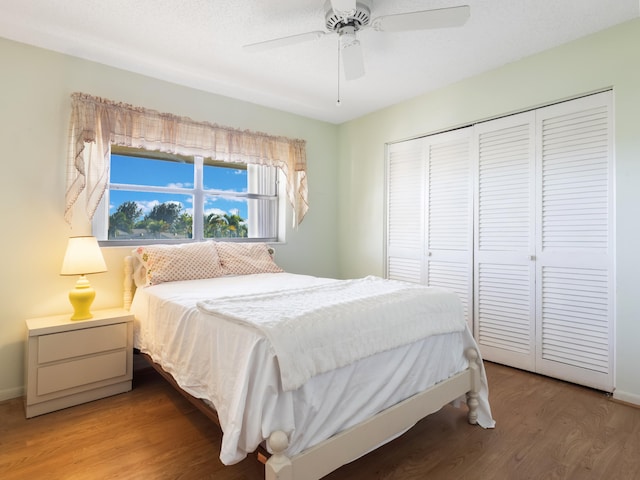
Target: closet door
[(544, 231), (504, 271), (449, 215), (405, 247), (429, 213), (574, 258)]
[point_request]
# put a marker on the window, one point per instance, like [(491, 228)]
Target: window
[(157, 197)]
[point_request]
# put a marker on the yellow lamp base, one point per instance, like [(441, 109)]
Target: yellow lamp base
[(81, 298)]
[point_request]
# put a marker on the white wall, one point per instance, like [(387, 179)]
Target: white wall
[(35, 88), (607, 59)]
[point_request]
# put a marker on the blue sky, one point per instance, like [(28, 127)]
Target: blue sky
[(165, 173)]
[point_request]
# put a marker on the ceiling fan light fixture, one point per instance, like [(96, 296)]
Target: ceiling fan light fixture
[(348, 37)]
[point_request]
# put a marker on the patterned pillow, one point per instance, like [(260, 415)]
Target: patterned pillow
[(246, 258), (187, 261)]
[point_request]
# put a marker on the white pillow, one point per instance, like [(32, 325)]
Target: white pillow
[(246, 258), (187, 261)]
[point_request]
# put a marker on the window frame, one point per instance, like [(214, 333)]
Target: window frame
[(100, 222)]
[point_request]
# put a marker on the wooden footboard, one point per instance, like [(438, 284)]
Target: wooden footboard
[(346, 446)]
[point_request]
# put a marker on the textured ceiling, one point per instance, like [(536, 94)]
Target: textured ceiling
[(198, 43)]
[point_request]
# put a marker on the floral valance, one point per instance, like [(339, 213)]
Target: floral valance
[(97, 123)]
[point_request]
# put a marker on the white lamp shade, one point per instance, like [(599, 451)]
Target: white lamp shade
[(83, 256)]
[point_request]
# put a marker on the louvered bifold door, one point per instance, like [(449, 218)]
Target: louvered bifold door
[(575, 239), (504, 271), (449, 223), (405, 247)]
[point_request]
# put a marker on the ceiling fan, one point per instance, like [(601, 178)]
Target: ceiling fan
[(346, 17)]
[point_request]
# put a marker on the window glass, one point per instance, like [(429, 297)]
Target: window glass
[(150, 215), (225, 178), (225, 217), (148, 171), (159, 197)]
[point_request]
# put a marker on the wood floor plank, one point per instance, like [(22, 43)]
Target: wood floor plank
[(546, 429)]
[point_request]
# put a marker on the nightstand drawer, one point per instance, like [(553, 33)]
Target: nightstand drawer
[(84, 371), (60, 346)]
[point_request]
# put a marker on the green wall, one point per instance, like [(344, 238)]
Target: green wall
[(607, 59)]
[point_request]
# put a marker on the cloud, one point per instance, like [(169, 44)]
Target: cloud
[(228, 198), (216, 211), (147, 205)]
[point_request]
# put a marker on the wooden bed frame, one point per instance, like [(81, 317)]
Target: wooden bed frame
[(342, 448)]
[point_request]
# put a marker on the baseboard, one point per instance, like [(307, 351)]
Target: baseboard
[(626, 397), (9, 393)]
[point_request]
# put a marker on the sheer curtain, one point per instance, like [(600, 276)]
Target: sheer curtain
[(97, 123)]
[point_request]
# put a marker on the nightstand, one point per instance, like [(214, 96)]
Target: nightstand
[(71, 362)]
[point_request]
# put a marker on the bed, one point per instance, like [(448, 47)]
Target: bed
[(222, 322)]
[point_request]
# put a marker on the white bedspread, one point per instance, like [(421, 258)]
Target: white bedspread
[(233, 366), (320, 328)]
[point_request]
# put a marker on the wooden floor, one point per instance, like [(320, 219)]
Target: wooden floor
[(546, 429)]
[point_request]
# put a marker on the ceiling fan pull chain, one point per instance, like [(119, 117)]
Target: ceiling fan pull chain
[(338, 102)]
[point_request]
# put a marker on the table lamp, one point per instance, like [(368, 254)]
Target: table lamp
[(83, 256)]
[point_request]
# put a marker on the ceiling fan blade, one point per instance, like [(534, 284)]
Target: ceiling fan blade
[(343, 7), (283, 41), (352, 59), (423, 20)]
